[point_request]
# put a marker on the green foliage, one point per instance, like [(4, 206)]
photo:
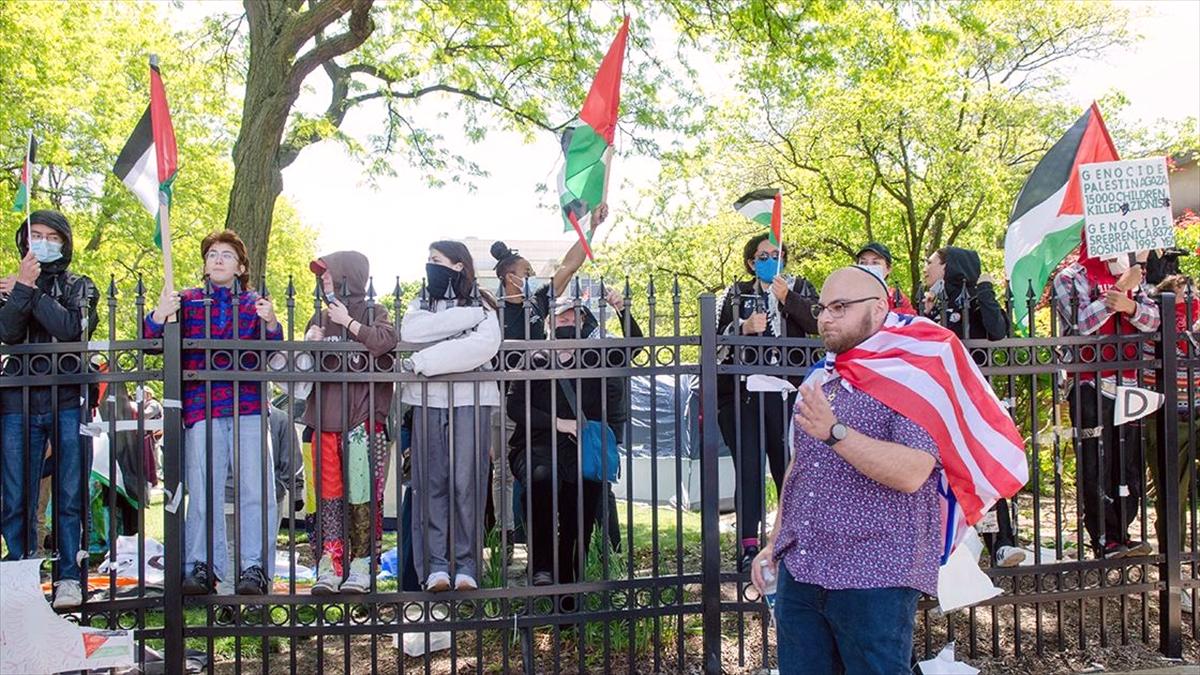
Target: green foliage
[(82, 91)]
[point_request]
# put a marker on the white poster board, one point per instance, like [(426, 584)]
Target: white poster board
[(1126, 206)]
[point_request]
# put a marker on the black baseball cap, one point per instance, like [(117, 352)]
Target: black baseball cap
[(877, 248)]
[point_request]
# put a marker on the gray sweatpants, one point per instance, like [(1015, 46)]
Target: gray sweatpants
[(449, 481)]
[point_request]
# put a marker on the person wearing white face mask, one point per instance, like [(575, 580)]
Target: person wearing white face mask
[(45, 302), (876, 256), (1106, 297)]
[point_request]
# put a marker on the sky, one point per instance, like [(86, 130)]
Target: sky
[(394, 220)]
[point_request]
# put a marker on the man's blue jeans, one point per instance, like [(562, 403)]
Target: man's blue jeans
[(21, 473), (846, 631)]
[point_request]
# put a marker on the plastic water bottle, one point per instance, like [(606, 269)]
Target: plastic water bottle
[(770, 582)]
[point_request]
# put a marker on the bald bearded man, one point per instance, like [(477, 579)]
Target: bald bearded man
[(859, 526)]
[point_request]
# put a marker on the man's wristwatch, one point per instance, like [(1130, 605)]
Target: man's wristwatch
[(837, 433)]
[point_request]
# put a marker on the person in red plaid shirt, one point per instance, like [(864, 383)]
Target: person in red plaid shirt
[(1106, 297), (226, 269)]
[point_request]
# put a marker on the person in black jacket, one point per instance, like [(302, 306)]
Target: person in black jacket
[(773, 305), (44, 302), (955, 280), (543, 450)]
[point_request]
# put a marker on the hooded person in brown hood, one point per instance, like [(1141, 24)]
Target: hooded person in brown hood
[(347, 420)]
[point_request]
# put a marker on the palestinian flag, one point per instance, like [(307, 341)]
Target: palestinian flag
[(587, 144), (149, 159), (25, 188), (764, 207), (1047, 221)]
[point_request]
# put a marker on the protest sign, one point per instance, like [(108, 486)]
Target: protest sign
[(1127, 206)]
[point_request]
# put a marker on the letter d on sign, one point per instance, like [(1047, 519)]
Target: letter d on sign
[(1134, 403)]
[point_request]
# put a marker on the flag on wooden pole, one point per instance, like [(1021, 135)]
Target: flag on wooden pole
[(148, 163)]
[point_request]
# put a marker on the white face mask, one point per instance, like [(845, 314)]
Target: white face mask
[(1118, 265), (878, 270)]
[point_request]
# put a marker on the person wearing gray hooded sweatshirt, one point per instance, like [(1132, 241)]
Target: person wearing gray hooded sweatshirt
[(349, 421), (45, 302)]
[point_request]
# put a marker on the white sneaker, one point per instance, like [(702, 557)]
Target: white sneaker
[(465, 582), (327, 580), (437, 582), (1185, 601), (67, 594), (359, 580), (1009, 556)]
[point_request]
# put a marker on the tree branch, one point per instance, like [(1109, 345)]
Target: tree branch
[(361, 27)]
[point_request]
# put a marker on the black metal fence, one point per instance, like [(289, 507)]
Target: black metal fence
[(640, 573)]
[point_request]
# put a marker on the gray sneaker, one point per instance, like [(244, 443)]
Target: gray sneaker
[(67, 594), (327, 580), (359, 580)]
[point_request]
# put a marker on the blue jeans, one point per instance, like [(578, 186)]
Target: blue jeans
[(22, 472), (846, 631), (254, 455)]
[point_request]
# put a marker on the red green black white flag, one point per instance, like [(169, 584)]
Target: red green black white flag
[(764, 207), (587, 144), (25, 187), (148, 162), (1046, 223)]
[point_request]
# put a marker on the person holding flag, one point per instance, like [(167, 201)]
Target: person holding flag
[(769, 304), (860, 531), (45, 302)]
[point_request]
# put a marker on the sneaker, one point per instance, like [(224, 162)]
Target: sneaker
[(327, 580), (199, 582), (1135, 547), (1009, 556), (67, 594), (253, 581), (543, 579), (749, 553), (465, 582), (1113, 550), (359, 580), (437, 582)]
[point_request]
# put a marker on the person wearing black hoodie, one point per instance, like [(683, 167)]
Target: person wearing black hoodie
[(544, 452), (45, 302), (962, 298), (769, 304)]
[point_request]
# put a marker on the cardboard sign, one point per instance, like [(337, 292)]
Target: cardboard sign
[(1126, 206)]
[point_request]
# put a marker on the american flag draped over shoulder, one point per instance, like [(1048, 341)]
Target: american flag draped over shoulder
[(922, 371)]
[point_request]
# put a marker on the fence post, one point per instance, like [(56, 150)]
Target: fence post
[(173, 619), (710, 485), (1170, 637)]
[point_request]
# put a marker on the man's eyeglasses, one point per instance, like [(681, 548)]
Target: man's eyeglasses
[(764, 256), (53, 238), (837, 308)]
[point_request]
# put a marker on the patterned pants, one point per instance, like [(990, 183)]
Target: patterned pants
[(346, 495)]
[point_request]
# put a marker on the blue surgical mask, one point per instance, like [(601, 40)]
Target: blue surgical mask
[(46, 251), (766, 270)]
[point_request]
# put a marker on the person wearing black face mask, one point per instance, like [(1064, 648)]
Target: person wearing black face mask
[(457, 324), (768, 305), (45, 302), (550, 440)]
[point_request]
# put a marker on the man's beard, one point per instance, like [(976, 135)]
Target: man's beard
[(850, 338)]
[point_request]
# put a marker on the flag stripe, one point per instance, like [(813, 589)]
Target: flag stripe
[(162, 131), (922, 371)]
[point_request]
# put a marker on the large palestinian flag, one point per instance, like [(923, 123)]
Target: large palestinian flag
[(587, 144), (149, 159), (25, 188), (1047, 221), (764, 207)]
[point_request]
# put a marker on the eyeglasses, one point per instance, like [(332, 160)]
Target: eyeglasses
[(764, 256), (38, 236), (837, 308), (224, 256)]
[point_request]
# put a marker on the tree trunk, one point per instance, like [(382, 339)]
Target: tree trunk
[(257, 176)]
